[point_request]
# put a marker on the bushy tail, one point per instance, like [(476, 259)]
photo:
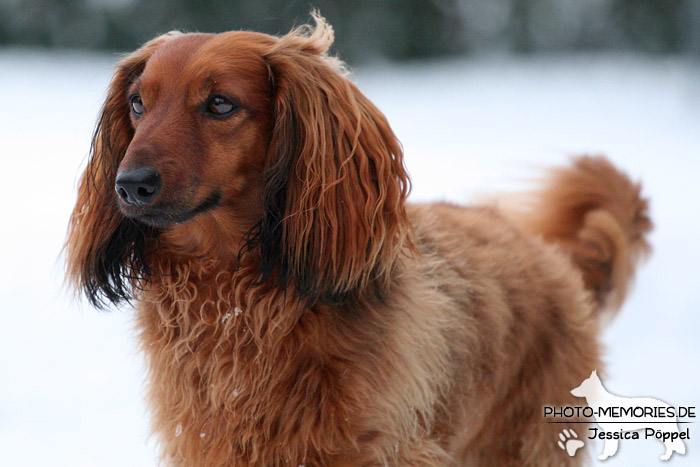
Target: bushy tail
[(596, 214)]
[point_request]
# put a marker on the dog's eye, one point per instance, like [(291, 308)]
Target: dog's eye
[(136, 104), (220, 106)]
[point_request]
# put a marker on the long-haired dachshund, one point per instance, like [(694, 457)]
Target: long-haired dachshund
[(293, 308)]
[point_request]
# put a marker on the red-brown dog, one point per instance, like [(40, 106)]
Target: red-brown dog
[(293, 308)]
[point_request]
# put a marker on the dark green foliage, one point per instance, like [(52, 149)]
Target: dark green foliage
[(369, 29)]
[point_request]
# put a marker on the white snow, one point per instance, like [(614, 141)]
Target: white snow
[(70, 377)]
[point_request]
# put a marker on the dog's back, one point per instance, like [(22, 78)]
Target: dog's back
[(526, 298)]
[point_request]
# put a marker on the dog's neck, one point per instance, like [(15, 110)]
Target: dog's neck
[(222, 295), (211, 237)]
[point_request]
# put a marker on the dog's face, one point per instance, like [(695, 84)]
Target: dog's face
[(239, 146), (201, 117)]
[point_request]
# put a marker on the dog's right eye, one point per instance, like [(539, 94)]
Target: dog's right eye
[(136, 104)]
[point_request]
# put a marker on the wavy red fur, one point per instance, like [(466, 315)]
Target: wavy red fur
[(294, 309)]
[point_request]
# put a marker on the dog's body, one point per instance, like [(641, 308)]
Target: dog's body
[(597, 398), (293, 308)]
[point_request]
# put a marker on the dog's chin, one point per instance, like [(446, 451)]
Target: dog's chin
[(165, 215)]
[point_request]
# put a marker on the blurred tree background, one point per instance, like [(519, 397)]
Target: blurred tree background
[(371, 29)]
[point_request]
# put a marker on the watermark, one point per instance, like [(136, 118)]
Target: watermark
[(620, 418), (569, 442)]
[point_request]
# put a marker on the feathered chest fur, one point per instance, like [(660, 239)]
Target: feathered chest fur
[(243, 372)]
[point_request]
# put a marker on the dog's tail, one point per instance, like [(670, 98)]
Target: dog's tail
[(596, 215)]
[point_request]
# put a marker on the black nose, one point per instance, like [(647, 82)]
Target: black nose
[(138, 186)]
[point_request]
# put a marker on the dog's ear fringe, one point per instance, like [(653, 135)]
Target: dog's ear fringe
[(106, 253), (335, 186), (310, 39)]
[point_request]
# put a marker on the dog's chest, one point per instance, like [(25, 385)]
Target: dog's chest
[(222, 380)]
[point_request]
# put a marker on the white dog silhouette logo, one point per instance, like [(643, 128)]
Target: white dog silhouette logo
[(617, 415)]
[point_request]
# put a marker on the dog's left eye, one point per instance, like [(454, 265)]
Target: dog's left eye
[(220, 106), (136, 105)]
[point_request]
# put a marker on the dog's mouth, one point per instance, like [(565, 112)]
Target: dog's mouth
[(167, 214)]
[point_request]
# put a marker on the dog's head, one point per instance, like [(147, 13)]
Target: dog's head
[(240, 143)]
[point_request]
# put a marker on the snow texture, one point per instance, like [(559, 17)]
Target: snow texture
[(71, 379)]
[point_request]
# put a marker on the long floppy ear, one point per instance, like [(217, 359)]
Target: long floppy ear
[(335, 187), (106, 252)]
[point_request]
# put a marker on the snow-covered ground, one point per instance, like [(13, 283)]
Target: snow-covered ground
[(70, 378)]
